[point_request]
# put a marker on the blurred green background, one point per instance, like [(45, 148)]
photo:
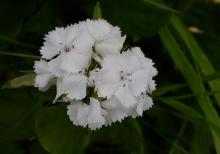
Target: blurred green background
[(181, 36)]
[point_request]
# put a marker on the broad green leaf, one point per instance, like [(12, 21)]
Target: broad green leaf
[(136, 18), (17, 113), (125, 137), (198, 55), (11, 148), (57, 134), (97, 12), (22, 81), (193, 80), (36, 148)]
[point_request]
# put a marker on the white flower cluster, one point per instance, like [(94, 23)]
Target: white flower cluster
[(102, 83)]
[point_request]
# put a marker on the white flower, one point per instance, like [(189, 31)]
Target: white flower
[(95, 117), (78, 113), (69, 49), (73, 85), (148, 65), (121, 76), (86, 61), (108, 39), (43, 76), (144, 102), (86, 115), (113, 111)]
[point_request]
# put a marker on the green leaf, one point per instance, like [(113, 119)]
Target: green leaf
[(181, 107), (12, 21), (97, 12), (200, 143), (16, 42), (17, 113), (194, 81), (161, 5), (125, 137), (22, 81), (136, 18), (57, 134), (170, 88), (36, 148), (19, 55), (198, 55), (11, 148), (212, 76)]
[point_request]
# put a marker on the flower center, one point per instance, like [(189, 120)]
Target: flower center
[(66, 49), (124, 76)]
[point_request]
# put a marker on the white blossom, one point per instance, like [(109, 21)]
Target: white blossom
[(148, 65), (108, 39), (69, 49), (78, 113), (113, 111), (86, 61), (73, 85), (144, 102), (86, 115), (123, 77), (43, 77), (95, 117)]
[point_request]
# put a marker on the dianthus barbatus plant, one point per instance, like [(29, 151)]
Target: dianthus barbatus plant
[(101, 83)]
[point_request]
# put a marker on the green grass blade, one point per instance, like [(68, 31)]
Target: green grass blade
[(161, 6), (169, 88), (212, 76), (19, 55), (200, 144), (15, 42), (194, 81), (198, 55)]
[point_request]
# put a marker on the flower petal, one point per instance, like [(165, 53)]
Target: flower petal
[(95, 117), (74, 62), (43, 76), (52, 43), (144, 103), (75, 86), (111, 44), (106, 83), (113, 111), (124, 95), (125, 61), (78, 113), (98, 28), (138, 82), (42, 81), (54, 66)]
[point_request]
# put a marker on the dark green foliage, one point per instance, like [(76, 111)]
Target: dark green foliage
[(185, 117)]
